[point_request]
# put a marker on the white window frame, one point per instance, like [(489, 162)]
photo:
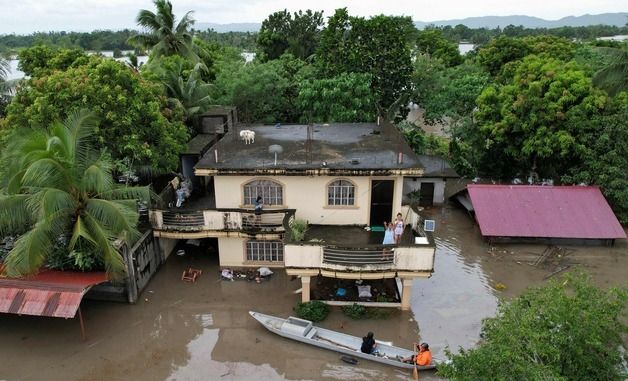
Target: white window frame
[(270, 190), (264, 251), (341, 192)]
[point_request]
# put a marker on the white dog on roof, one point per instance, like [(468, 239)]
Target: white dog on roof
[(248, 136)]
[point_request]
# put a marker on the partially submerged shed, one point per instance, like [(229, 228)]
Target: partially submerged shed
[(565, 214)]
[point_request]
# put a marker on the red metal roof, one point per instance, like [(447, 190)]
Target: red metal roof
[(49, 293), (544, 212)]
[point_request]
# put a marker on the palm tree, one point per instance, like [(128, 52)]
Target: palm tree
[(614, 77), (58, 191), (190, 91), (165, 37)]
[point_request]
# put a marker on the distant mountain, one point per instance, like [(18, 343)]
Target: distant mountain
[(233, 27), (617, 19)]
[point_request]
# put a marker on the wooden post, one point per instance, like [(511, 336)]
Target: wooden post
[(131, 281), (406, 293), (305, 292), (83, 336)]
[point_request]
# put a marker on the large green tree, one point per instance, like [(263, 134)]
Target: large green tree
[(258, 90), (297, 34), (344, 98), (528, 126), (432, 43), (379, 46), (163, 35), (136, 121), (605, 159), (57, 192), (565, 330), (41, 59)]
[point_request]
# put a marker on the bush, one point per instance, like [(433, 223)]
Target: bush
[(314, 310), (355, 311), (298, 228)]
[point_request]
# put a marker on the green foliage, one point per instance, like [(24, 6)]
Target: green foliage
[(258, 90), (58, 192), (136, 121), (605, 160), (354, 311), (296, 34), (379, 46), (358, 312), (164, 36), (565, 330), (613, 77), (526, 126), (298, 229), (344, 98), (41, 60), (432, 43), (314, 310), (502, 51)]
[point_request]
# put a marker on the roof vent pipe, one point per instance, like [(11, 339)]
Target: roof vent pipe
[(400, 158), (378, 120)]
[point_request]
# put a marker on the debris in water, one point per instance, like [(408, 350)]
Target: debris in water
[(500, 286)]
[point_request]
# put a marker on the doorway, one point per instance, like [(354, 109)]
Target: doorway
[(382, 192), (426, 197)]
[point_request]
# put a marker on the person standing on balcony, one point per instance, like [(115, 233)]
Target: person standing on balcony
[(259, 206), (389, 238), (398, 228)]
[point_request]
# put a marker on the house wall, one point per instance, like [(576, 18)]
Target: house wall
[(411, 184), (308, 195), (231, 251)]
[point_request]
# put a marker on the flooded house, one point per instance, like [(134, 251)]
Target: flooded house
[(341, 181)]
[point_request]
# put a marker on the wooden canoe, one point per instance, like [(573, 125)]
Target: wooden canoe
[(303, 331)]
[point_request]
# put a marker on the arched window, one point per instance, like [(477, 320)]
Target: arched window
[(271, 192), (341, 192)]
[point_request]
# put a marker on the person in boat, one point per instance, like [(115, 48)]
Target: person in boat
[(368, 344), (423, 358)]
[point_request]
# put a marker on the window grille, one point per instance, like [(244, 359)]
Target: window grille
[(341, 192), (264, 251), (271, 192)]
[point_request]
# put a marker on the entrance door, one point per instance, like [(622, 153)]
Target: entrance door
[(381, 201), (426, 197)]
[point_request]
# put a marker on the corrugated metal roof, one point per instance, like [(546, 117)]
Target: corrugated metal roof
[(544, 212), (49, 293)]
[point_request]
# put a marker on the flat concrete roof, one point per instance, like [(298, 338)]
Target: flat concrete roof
[(342, 147)]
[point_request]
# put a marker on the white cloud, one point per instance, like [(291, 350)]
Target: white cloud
[(25, 16)]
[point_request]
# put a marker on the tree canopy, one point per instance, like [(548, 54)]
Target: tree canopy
[(136, 121), (565, 330), (296, 34)]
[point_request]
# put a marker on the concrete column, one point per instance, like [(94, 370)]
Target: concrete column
[(305, 291), (406, 294)]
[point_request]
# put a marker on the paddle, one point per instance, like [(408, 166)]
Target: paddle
[(415, 371)]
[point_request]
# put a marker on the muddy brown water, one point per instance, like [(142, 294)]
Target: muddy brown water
[(202, 331)]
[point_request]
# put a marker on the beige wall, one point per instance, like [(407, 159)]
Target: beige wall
[(308, 195), (231, 251)]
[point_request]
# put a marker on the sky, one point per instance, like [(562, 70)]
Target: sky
[(27, 16)]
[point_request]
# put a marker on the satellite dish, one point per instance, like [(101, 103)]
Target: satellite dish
[(275, 148)]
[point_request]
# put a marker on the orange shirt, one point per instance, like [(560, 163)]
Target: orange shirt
[(424, 358)]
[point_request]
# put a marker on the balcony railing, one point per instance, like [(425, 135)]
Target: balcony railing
[(219, 220), (374, 255)]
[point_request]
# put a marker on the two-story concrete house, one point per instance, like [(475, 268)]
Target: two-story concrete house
[(345, 180)]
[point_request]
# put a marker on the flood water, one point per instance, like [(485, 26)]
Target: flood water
[(202, 331)]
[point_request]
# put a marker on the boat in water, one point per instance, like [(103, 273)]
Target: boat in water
[(305, 332)]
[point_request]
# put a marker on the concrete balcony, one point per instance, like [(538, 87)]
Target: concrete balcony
[(351, 252), (177, 224)]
